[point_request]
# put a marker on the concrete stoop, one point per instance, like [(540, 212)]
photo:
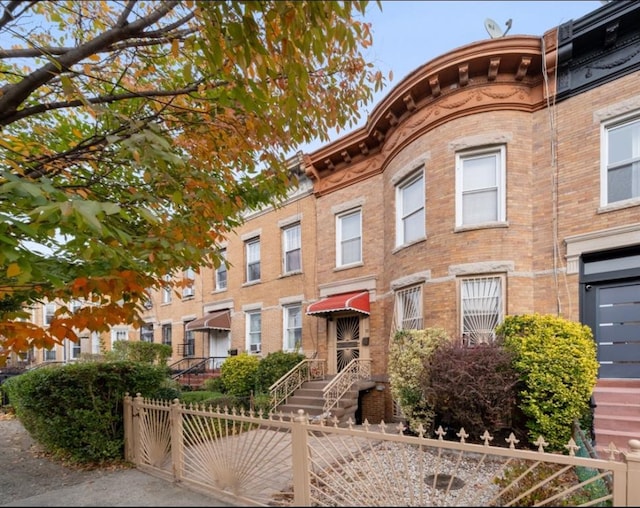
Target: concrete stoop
[(617, 413), (309, 398)]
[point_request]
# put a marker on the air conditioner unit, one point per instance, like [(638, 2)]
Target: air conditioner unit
[(254, 348)]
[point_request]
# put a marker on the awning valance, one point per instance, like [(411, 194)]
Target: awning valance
[(219, 320), (357, 301)]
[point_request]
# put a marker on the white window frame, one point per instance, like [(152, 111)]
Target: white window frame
[(119, 334), (166, 290), (146, 332), (403, 216), (498, 188), (252, 255), (486, 295), (49, 355), (291, 245), (190, 290), (222, 281), (632, 122), (49, 310), (292, 327), (341, 240), (253, 337), (409, 310)]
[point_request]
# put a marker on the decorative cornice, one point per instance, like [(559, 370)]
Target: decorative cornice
[(490, 75)]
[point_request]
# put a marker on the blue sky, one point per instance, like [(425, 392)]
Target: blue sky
[(408, 34)]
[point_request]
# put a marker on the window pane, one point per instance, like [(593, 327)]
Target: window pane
[(292, 249), (479, 173), (411, 212), (293, 322), (350, 239), (292, 261), (409, 309), (253, 260), (351, 251), (166, 334), (621, 142), (350, 226), (414, 226), (480, 207), (412, 197)]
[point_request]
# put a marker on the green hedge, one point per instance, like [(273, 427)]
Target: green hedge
[(75, 411), (557, 362)]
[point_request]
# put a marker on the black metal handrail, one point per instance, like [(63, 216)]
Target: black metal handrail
[(195, 365)]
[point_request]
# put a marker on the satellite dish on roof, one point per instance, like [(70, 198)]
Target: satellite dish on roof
[(494, 30)]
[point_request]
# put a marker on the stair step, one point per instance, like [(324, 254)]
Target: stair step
[(619, 423), (618, 383), (619, 438), (617, 409), (619, 395)]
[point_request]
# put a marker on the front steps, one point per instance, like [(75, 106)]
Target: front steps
[(617, 413), (309, 398)]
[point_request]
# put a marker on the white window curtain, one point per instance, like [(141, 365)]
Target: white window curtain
[(292, 249), (253, 260), (293, 327), (254, 328)]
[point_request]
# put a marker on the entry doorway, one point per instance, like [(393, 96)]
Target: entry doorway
[(219, 344), (346, 333)]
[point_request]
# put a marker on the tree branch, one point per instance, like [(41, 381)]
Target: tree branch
[(15, 94), (105, 99)]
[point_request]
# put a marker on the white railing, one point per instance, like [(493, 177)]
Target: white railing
[(358, 369), (307, 370)]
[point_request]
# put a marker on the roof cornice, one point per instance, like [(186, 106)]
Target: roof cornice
[(490, 75)]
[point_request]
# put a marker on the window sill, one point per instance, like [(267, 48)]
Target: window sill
[(481, 225), (346, 267), (289, 274), (409, 244), (619, 205), (216, 291), (251, 283)]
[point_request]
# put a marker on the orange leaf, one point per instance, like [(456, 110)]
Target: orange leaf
[(13, 270)]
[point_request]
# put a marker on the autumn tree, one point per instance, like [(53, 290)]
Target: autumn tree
[(133, 135)]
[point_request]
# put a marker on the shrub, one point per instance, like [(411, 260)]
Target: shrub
[(168, 389), (214, 384), (239, 374), (145, 352), (275, 365), (410, 354), (473, 387), (557, 363), (75, 411)]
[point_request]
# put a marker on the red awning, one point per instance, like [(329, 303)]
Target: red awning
[(357, 301), (220, 320)]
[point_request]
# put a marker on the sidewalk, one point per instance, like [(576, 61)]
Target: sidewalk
[(27, 478)]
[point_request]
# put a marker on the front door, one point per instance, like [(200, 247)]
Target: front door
[(617, 331), (347, 340), (219, 344), (610, 305)]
